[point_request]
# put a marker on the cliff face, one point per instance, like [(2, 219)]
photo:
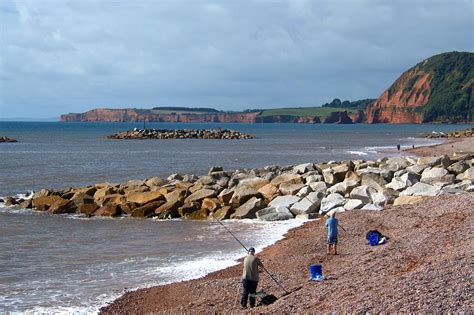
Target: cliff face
[(436, 89), (132, 115)]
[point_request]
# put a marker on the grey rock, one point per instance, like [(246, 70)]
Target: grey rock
[(467, 174), (319, 186), (421, 189), (303, 168), (284, 201), (330, 202), (372, 207), (249, 209), (352, 204), (274, 214), (308, 204), (289, 188), (363, 193), (458, 167), (303, 192)]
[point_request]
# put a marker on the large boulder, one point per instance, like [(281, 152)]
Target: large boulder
[(284, 201), (435, 172), (269, 191), (43, 203), (458, 167), (200, 195), (308, 204), (102, 192), (108, 211), (223, 213), (225, 196), (154, 182), (431, 161), (303, 168), (352, 204), (27, 204), (147, 209), (371, 206), (288, 178), (416, 169), (188, 207), (87, 208), (466, 175), (254, 182), (62, 206), (43, 193), (363, 193), (421, 189), (313, 178), (303, 192), (373, 180), (319, 186), (242, 194), (288, 188), (201, 214), (274, 214), (404, 181), (330, 202), (396, 163), (248, 209), (211, 204), (115, 199), (408, 200)]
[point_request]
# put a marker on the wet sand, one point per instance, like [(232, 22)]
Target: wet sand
[(426, 266)]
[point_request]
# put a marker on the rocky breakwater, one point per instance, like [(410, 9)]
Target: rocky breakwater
[(180, 134), (269, 193), (465, 133), (6, 139)]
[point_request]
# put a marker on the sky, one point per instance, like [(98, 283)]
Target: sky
[(60, 56)]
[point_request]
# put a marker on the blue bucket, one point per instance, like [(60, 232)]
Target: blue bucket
[(316, 272)]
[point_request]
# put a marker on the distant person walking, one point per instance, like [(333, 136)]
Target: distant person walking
[(398, 147), (250, 277), (331, 225)]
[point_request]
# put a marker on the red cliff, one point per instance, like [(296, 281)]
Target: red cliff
[(398, 104)]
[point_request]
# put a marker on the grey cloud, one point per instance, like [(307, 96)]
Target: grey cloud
[(62, 56)]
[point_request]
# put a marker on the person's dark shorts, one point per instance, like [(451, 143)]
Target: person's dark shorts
[(332, 240)]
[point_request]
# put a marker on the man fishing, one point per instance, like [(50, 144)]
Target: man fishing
[(250, 277), (331, 224)]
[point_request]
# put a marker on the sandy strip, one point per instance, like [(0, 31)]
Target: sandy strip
[(425, 267), (448, 147)]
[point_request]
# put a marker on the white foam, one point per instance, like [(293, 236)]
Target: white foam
[(360, 153)]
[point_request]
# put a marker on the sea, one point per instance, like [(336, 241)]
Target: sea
[(72, 264)]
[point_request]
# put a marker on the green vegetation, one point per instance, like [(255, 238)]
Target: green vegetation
[(183, 110), (451, 87), (360, 104), (321, 112)]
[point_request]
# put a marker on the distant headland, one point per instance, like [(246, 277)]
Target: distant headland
[(436, 90)]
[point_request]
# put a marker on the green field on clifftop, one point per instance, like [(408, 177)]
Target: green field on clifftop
[(321, 112)]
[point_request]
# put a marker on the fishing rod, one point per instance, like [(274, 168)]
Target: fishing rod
[(241, 244)]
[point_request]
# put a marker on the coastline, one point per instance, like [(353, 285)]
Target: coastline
[(358, 279)]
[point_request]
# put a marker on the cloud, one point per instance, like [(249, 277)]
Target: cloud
[(71, 56)]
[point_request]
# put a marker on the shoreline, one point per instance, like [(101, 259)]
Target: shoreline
[(448, 147), (221, 287)]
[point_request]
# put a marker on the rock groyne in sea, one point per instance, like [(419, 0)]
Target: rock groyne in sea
[(6, 139), (465, 133), (268, 193), (180, 134)]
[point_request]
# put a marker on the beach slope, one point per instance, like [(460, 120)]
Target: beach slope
[(425, 266)]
